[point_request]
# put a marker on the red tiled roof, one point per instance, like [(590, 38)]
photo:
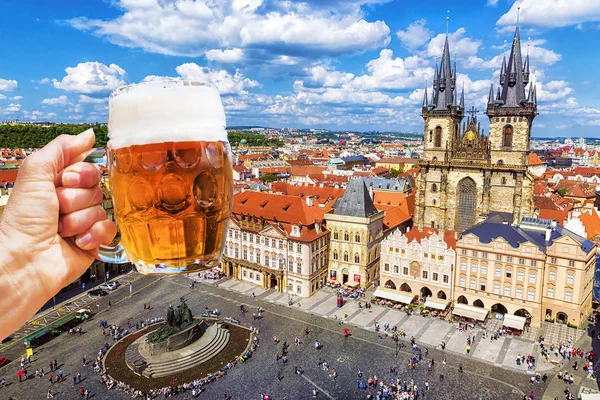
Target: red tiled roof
[(534, 160), (559, 215), (544, 203), (591, 221), (416, 234)]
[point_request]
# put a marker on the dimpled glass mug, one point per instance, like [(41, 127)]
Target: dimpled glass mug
[(170, 175)]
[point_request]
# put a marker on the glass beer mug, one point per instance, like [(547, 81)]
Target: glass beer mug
[(170, 175)]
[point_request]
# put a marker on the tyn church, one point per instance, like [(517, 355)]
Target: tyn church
[(466, 175)]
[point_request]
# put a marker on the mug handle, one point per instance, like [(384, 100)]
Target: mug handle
[(109, 254)]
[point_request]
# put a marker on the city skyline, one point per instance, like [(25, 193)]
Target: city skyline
[(359, 65)]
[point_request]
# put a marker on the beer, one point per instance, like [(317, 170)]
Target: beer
[(170, 174)]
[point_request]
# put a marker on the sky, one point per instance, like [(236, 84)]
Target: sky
[(334, 64)]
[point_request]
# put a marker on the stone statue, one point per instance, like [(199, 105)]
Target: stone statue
[(177, 320)]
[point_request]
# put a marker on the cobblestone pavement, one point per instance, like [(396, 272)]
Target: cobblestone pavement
[(363, 350)]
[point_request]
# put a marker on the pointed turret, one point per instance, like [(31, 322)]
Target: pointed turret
[(425, 102), (503, 71), (462, 97), (491, 96), (443, 92), (513, 89), (533, 100), (526, 71), (498, 95), (453, 82)]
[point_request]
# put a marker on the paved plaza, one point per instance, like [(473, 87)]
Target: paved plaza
[(489, 370)]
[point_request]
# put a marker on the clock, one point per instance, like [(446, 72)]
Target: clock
[(470, 135)]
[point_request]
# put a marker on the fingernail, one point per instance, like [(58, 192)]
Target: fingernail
[(86, 133), (70, 179), (84, 240)]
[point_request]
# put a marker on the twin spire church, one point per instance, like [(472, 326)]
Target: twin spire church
[(466, 175)]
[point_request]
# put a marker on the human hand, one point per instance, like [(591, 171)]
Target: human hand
[(51, 227)]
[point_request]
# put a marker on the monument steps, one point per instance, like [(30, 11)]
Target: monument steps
[(217, 343)]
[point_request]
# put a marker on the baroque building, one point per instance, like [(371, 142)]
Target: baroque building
[(465, 174)]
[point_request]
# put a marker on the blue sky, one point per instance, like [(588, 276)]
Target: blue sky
[(338, 64)]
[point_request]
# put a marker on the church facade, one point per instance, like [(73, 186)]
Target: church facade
[(465, 175)]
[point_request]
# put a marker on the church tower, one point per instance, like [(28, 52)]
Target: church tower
[(511, 112)]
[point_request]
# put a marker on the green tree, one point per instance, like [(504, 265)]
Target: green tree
[(269, 177), (395, 172)]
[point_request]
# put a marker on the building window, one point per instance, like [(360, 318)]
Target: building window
[(509, 274), (434, 276), (507, 291), (551, 293), (482, 286), (335, 235), (521, 261), (462, 282), (463, 252), (509, 259), (484, 255), (237, 253), (434, 188), (463, 266), (299, 289), (433, 224), (404, 270), (571, 263), (291, 246), (245, 273), (251, 258), (570, 279), (335, 255), (266, 260), (357, 238), (346, 237), (519, 293), (507, 136), (445, 278), (267, 241), (281, 263), (568, 296), (244, 237), (533, 263), (530, 295), (498, 272), (357, 258), (290, 266), (386, 267), (425, 274), (430, 136), (346, 258), (299, 268), (483, 270), (474, 253), (251, 275), (473, 284), (281, 244), (498, 257), (474, 268), (504, 180), (245, 254), (258, 258), (520, 276), (299, 248), (396, 270), (532, 278), (438, 136), (552, 276), (496, 288), (553, 260)]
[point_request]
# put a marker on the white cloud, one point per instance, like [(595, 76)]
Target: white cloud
[(8, 84), (225, 56), (324, 76), (37, 115), (74, 108), (56, 101), (552, 13), (77, 117), (191, 28), (92, 77), (43, 81), (12, 108), (415, 35), (537, 56), (492, 3), (2, 97), (87, 99), (553, 90), (459, 44), (16, 98)]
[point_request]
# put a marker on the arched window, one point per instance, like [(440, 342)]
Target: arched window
[(336, 235), (357, 237), (357, 258), (346, 256), (504, 180), (507, 136), (335, 254), (434, 188), (500, 162), (346, 236), (438, 136)]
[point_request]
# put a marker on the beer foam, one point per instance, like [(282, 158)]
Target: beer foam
[(165, 111)]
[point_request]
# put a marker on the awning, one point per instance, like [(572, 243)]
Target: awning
[(352, 284), (470, 312), (434, 304), (514, 321), (590, 396), (400, 297)]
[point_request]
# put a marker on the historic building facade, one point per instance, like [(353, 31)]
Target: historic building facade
[(464, 174), (535, 270), (419, 262), (356, 228), (277, 241)]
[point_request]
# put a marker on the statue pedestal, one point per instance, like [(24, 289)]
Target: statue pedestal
[(177, 340)]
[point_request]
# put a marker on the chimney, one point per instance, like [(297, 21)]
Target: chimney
[(554, 222), (548, 233), (309, 201)]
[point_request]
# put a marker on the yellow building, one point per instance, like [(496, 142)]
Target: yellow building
[(530, 272), (356, 232), (401, 164)]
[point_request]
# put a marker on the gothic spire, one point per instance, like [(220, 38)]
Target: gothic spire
[(526, 71), (491, 96), (533, 100), (443, 93), (513, 89), (503, 71), (462, 97), (425, 102)]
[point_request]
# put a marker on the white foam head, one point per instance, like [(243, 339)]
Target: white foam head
[(165, 111)]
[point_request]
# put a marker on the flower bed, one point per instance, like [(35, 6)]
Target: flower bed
[(117, 368)]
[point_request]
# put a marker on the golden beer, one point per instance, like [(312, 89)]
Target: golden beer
[(170, 174)]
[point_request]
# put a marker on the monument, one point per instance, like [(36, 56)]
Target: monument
[(179, 331)]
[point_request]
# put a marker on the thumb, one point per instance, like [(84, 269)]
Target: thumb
[(63, 151)]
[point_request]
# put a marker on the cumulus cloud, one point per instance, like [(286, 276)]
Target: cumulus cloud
[(2, 97), (324, 76), (192, 28), (87, 99), (492, 3), (91, 77), (553, 90), (552, 13), (11, 108), (225, 56), (16, 98), (56, 101), (460, 45), (8, 84), (415, 35)]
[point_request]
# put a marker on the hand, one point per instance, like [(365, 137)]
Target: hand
[(51, 227)]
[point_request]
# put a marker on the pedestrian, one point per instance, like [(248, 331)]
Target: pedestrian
[(49, 395), (78, 377), (55, 364), (84, 361), (50, 379), (468, 348), (130, 289), (74, 380), (2, 382), (81, 391), (426, 385), (86, 394), (60, 374), (109, 304), (441, 377)]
